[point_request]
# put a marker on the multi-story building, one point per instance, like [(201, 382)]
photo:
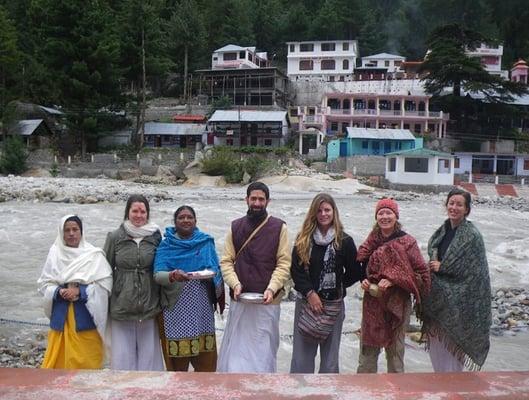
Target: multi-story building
[(376, 110), (244, 76), (490, 56), (233, 56), (331, 60)]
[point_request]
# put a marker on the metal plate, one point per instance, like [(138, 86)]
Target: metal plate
[(250, 297), (204, 274)]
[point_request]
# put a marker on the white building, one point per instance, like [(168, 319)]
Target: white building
[(330, 60), (420, 167), (492, 163), (233, 56), (490, 57), (390, 62)]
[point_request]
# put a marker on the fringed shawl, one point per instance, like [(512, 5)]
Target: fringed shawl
[(458, 309), (399, 260)]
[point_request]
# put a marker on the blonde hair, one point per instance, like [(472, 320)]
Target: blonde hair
[(304, 237)]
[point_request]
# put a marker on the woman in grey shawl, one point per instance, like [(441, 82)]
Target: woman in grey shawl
[(457, 313)]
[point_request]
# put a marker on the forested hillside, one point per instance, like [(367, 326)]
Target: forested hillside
[(99, 54)]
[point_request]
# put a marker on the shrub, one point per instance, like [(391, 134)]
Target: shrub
[(13, 160), (218, 162), (54, 169)]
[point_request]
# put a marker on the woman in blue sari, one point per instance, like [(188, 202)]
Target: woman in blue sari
[(187, 326)]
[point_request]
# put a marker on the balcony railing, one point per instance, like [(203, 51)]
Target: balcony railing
[(385, 113), (340, 111), (312, 119)]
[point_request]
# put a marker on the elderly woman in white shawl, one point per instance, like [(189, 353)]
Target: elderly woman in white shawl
[(76, 282)]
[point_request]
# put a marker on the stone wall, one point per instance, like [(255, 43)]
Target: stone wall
[(359, 165)]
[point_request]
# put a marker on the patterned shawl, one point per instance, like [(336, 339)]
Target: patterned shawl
[(458, 309), (399, 260), (189, 255)]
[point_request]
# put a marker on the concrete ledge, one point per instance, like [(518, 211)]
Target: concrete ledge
[(42, 384)]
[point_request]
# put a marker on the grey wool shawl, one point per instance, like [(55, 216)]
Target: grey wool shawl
[(458, 308)]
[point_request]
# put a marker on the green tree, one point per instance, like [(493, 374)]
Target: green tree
[(14, 155), (144, 52), (187, 35), (448, 66), (9, 60), (80, 51)]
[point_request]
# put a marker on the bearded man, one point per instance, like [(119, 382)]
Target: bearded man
[(256, 259)]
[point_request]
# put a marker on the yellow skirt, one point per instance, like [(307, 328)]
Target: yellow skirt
[(73, 350)]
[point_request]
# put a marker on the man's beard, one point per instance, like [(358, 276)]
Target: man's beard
[(256, 214)]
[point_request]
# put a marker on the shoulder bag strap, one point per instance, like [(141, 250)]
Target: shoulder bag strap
[(252, 235)]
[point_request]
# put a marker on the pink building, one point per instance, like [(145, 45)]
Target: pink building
[(519, 72), (369, 110)]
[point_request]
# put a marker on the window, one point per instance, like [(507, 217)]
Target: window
[(331, 78), (250, 57), (526, 164), (328, 64), (294, 112), (268, 142), (413, 164), (292, 48), (457, 161), (392, 164), (306, 65), (229, 142), (306, 47), (334, 126), (398, 146), (365, 144), (229, 56), (328, 46), (417, 128), (242, 55), (376, 147), (443, 166), (398, 63), (345, 64), (345, 46), (386, 63)]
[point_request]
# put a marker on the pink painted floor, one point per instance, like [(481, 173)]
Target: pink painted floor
[(41, 384)]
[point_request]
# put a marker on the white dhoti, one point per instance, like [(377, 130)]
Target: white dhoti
[(251, 338)]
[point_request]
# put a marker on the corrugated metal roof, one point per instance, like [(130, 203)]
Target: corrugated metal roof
[(372, 133), (247, 116), (422, 152), (234, 47), (50, 110), (383, 56), (26, 127), (161, 128)]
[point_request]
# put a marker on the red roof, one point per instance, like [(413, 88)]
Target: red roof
[(189, 118)]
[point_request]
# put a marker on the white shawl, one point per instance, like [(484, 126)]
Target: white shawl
[(86, 265)]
